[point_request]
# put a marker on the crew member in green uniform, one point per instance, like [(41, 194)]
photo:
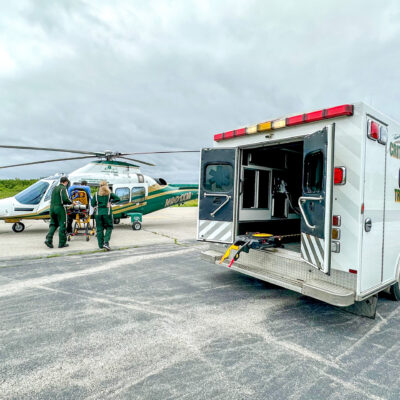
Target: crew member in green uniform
[(101, 201), (58, 215)]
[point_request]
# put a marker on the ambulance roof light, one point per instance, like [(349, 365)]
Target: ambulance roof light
[(333, 112)]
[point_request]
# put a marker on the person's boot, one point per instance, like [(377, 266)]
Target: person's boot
[(64, 245), (106, 246), (48, 244)]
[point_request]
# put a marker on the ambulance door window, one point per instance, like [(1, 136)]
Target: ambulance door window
[(313, 172), (218, 178), (138, 194), (123, 193)]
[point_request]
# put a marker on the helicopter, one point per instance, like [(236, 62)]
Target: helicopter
[(140, 194)]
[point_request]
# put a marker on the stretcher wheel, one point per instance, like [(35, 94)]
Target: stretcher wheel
[(137, 226), (87, 238), (18, 227), (117, 221)]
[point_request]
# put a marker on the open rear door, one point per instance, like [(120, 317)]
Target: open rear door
[(316, 200), (217, 195)]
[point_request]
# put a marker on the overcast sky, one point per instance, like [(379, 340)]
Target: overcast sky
[(142, 75)]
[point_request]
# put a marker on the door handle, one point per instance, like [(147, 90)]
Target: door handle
[(218, 195), (368, 224), (302, 200)]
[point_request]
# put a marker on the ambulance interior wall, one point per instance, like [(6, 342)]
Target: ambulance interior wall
[(286, 163)]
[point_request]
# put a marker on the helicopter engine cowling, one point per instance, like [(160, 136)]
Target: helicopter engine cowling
[(161, 181)]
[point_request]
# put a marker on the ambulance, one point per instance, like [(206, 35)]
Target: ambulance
[(310, 201)]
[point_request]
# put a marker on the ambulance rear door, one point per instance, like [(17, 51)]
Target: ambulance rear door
[(316, 200), (217, 195)]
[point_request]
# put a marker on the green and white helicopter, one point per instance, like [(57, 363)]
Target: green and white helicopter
[(140, 194)]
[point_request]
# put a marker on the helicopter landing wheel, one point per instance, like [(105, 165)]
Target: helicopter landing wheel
[(137, 226), (18, 227)]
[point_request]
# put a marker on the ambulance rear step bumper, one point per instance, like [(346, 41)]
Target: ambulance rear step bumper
[(315, 288)]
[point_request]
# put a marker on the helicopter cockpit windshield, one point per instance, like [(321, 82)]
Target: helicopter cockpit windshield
[(33, 194)]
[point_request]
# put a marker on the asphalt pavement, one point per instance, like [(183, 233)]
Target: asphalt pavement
[(165, 226), (158, 322)]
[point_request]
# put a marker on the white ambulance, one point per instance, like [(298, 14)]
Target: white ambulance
[(325, 185)]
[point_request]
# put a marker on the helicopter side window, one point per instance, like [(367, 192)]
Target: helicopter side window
[(50, 191), (33, 194), (138, 194), (123, 193)]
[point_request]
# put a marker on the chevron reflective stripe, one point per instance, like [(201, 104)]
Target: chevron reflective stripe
[(312, 250), (215, 230)]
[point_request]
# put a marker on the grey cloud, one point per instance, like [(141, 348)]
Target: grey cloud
[(142, 76)]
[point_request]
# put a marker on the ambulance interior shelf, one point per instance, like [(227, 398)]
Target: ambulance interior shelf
[(271, 183)]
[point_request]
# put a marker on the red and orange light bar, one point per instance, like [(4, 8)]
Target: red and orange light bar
[(333, 112)]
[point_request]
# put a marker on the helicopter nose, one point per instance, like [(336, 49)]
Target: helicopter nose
[(4, 207)]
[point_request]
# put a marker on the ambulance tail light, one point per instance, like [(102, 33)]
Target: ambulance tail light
[(336, 220), (339, 176), (335, 233), (353, 271), (383, 135), (373, 130), (335, 247)]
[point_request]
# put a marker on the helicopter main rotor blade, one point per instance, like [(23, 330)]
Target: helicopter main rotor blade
[(99, 154), (162, 152), (47, 161), (138, 161)]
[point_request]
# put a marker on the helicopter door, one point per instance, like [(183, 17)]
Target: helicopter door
[(139, 192), (217, 195), (123, 191)]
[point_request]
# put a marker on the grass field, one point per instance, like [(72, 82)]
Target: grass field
[(190, 203), (10, 187)]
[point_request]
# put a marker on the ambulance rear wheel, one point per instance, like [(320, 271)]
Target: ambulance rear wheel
[(18, 227), (395, 292), (117, 221), (137, 226)]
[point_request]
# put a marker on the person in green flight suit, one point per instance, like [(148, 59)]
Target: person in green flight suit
[(58, 215), (101, 202)]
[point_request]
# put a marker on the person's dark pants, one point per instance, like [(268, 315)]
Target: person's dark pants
[(70, 219), (104, 222), (57, 220)]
